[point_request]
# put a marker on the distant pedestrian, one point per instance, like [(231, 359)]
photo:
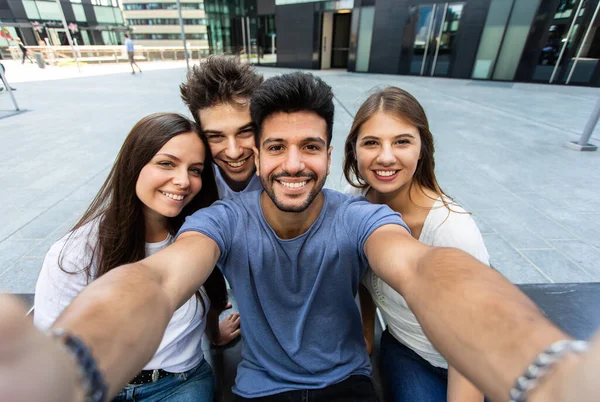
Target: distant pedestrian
[(24, 51), (3, 76), (130, 50)]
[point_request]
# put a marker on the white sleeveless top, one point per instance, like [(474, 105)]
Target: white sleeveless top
[(442, 228), (180, 349)]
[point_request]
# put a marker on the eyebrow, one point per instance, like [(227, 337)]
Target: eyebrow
[(177, 159), (304, 141), (372, 137), (240, 129)]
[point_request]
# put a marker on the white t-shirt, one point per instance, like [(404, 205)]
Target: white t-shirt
[(181, 346), (225, 191), (442, 228)]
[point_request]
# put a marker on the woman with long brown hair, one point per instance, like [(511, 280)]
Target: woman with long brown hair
[(162, 174), (389, 160)]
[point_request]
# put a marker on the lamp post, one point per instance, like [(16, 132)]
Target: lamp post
[(68, 33)]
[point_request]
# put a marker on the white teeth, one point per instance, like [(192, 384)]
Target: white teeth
[(174, 196), (236, 164), (386, 173), (293, 185)]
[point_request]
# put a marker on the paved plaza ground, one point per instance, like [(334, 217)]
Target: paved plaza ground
[(499, 153)]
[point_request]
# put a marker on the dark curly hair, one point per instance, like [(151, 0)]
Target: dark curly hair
[(289, 93), (219, 79)]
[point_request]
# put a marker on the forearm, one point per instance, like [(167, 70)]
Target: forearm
[(123, 336), (482, 324), (460, 389)]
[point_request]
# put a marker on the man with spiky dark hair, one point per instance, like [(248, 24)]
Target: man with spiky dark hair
[(218, 93)]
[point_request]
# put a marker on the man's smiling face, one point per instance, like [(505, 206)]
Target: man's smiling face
[(229, 130), (293, 162)]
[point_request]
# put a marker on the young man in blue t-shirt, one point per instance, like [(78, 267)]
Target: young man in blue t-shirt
[(295, 254)]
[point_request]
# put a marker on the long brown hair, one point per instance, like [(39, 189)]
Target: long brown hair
[(121, 228), (404, 106)]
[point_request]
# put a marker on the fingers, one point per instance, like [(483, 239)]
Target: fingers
[(233, 316), (235, 333)]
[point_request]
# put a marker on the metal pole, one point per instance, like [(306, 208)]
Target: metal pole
[(187, 61), (68, 33), (431, 21), (591, 124), (562, 51), (582, 144), (439, 40), (9, 89), (249, 45), (244, 35), (587, 32)]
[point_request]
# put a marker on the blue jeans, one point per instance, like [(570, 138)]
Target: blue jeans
[(407, 377), (195, 385)]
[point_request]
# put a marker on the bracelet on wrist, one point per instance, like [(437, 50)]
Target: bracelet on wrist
[(90, 376), (542, 364)]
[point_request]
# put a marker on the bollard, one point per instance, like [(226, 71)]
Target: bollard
[(582, 144), (39, 59)]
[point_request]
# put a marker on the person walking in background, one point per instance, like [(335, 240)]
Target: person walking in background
[(24, 51), (130, 50)]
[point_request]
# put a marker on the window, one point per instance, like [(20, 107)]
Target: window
[(163, 6), (158, 36), (166, 21), (79, 13)]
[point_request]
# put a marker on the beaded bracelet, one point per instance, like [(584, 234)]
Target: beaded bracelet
[(91, 378), (541, 365)]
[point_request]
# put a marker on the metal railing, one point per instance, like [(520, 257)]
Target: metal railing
[(56, 55)]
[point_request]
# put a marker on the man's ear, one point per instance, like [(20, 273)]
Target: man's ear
[(329, 159)]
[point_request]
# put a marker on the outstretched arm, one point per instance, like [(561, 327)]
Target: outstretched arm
[(482, 324), (126, 311)]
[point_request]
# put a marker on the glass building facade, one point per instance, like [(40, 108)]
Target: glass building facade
[(541, 41), (36, 22), (155, 23), (244, 27)]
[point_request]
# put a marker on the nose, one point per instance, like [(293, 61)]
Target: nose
[(233, 150), (181, 178), (386, 155), (293, 161)]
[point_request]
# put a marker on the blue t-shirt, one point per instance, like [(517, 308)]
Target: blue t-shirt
[(301, 328), (129, 45)]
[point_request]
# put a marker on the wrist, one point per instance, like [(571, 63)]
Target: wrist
[(90, 385), (553, 386), (547, 376)]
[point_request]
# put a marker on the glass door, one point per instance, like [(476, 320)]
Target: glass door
[(556, 56), (435, 32), (422, 44), (588, 54)]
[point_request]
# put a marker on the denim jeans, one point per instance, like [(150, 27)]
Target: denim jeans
[(356, 388), (195, 385), (407, 377)]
